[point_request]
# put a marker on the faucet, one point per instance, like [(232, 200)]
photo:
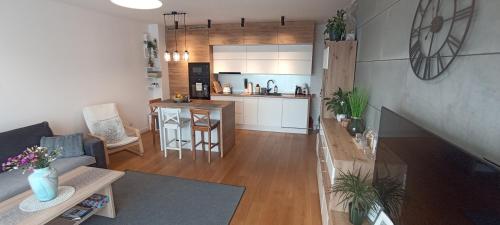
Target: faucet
[(268, 89)]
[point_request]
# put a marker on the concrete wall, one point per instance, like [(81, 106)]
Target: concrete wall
[(463, 105), (57, 58)]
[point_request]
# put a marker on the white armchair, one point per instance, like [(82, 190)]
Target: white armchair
[(104, 122)]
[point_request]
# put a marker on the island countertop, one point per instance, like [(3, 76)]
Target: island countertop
[(202, 104)]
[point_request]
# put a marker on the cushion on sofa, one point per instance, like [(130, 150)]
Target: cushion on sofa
[(72, 145), (14, 182), (14, 142)]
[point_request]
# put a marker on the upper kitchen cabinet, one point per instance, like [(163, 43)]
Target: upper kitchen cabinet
[(261, 33), (295, 59), (229, 58), (197, 45), (262, 59), (296, 33), (226, 34)]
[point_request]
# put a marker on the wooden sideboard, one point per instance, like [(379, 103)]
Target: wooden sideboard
[(336, 151), (200, 39)]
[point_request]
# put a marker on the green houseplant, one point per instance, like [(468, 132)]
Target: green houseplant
[(391, 194), (358, 100), (339, 104), (336, 26), (152, 47), (356, 194)]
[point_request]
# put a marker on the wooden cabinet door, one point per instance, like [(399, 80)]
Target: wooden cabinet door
[(296, 33), (261, 33), (226, 34)]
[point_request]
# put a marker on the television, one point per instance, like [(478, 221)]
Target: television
[(425, 180)]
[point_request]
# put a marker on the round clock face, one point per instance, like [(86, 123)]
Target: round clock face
[(438, 31)]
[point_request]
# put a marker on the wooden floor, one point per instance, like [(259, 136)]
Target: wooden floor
[(277, 169)]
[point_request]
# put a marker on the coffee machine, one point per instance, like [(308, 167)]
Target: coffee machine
[(199, 80)]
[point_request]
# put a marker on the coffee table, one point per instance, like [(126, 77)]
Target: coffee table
[(86, 180)]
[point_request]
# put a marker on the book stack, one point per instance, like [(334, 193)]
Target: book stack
[(76, 213), (95, 201)]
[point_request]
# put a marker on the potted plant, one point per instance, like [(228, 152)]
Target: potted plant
[(358, 100), (152, 47), (339, 104), (356, 194), (43, 180), (391, 194), (335, 28)]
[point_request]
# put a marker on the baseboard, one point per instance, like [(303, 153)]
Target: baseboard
[(272, 129)]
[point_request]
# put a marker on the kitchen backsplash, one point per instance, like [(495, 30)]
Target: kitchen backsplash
[(286, 83)]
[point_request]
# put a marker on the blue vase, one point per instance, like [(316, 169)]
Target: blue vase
[(44, 183)]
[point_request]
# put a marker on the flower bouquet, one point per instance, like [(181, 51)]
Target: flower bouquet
[(36, 160)]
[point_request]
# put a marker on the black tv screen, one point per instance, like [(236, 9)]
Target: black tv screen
[(426, 180)]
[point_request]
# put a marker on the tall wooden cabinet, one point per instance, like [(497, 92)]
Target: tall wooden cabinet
[(339, 66)]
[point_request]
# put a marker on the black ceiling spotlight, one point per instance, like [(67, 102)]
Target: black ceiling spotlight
[(282, 20), (209, 24), (242, 22)]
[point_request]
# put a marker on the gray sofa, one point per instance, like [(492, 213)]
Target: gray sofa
[(15, 141)]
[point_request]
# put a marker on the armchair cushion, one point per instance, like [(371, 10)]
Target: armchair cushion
[(125, 141), (104, 121)]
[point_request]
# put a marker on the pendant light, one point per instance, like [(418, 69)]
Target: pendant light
[(166, 55), (176, 56), (186, 53)]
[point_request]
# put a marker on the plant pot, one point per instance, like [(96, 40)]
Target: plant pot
[(340, 117), (43, 183), (331, 36), (356, 216), (356, 126)]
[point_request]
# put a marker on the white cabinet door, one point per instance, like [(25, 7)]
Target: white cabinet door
[(250, 111), (262, 66), (229, 52), (326, 56), (262, 52), (295, 113), (295, 67), (296, 52), (270, 112), (238, 107), (229, 65)]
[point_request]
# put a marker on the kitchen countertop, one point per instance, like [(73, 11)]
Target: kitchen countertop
[(284, 95), (204, 104)]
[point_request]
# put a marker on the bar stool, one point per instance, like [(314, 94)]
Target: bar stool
[(200, 121), (170, 119), (153, 116)]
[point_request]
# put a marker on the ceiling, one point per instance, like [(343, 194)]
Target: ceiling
[(225, 11)]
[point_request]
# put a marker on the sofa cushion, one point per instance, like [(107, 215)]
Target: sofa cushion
[(14, 182), (14, 142), (72, 145)]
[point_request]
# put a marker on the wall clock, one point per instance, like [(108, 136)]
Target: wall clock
[(437, 34)]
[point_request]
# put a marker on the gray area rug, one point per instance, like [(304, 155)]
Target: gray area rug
[(148, 199)]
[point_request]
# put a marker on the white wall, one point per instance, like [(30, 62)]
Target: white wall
[(462, 105), (57, 58)]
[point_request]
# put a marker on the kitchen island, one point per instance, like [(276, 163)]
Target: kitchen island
[(224, 111)]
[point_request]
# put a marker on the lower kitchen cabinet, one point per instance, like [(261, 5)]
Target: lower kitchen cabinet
[(278, 114), (294, 114), (250, 111), (270, 112)]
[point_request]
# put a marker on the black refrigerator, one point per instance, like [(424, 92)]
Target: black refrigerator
[(199, 80)]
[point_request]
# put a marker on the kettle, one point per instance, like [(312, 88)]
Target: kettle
[(298, 90)]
